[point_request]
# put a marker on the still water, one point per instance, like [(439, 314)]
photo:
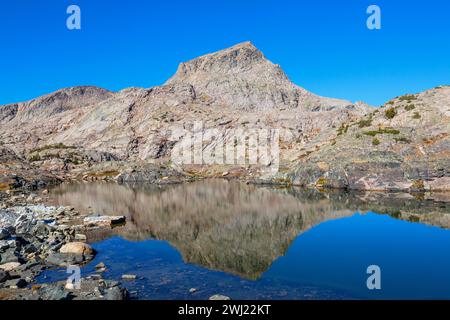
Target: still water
[(254, 242)]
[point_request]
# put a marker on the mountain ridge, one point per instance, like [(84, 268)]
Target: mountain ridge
[(80, 129)]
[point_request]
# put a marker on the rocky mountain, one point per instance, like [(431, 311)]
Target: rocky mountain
[(88, 131), (404, 145), (242, 78)]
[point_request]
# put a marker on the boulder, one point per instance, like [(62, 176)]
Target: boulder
[(77, 248), (63, 259), (53, 292), (18, 283), (4, 233), (4, 245), (10, 266), (115, 293), (4, 275)]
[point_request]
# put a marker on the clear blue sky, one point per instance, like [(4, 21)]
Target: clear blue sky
[(322, 45)]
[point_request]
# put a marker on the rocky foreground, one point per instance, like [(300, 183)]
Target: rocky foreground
[(34, 238)]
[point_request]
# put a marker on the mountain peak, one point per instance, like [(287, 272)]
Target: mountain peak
[(242, 77), (235, 59), (245, 44)]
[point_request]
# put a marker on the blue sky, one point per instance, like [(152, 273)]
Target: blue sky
[(322, 45)]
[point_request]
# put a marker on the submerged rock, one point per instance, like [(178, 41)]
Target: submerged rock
[(101, 265), (219, 297)]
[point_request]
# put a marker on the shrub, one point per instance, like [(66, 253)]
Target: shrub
[(4, 187), (321, 182), (402, 139), (381, 131), (408, 97), (390, 131), (365, 123), (396, 214), (342, 129), (416, 115), (418, 185), (376, 142), (390, 113), (35, 157), (52, 146), (410, 107)]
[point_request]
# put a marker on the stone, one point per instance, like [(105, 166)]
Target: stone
[(64, 259), (78, 248), (69, 286), (4, 275), (10, 255), (10, 266), (101, 265), (16, 283), (104, 221), (80, 237), (115, 293), (4, 245), (29, 248), (53, 292), (4, 233), (219, 297)]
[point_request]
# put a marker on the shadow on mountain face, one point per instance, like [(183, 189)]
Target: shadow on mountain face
[(233, 227)]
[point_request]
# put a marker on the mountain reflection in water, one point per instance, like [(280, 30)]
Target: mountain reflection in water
[(233, 227)]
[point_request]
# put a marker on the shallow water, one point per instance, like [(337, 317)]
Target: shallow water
[(252, 242)]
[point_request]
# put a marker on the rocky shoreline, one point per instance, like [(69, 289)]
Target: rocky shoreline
[(35, 238)]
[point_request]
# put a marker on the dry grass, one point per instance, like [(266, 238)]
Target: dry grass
[(4, 187), (111, 173)]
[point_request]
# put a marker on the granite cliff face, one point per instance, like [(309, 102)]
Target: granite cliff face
[(88, 131)]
